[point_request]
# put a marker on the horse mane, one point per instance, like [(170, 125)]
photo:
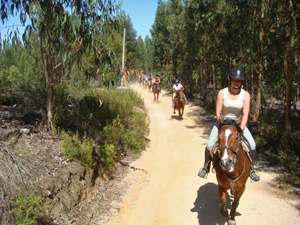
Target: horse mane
[(231, 123)]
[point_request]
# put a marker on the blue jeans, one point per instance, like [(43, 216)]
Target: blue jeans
[(214, 135)]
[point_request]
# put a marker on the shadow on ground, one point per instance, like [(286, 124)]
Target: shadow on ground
[(206, 205)]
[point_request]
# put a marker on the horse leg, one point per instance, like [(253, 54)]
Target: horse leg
[(235, 204), (180, 113), (223, 207)]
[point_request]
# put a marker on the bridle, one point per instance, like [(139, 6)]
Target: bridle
[(236, 150), (236, 153)]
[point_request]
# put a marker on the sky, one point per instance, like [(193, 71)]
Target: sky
[(141, 13)]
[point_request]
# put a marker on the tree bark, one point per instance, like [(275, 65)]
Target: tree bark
[(252, 63), (290, 71), (49, 82), (257, 105)]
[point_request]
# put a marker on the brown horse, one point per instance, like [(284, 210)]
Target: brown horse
[(140, 80), (179, 103), (232, 166), (149, 85), (156, 91)]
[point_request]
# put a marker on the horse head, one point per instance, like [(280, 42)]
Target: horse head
[(180, 96), (230, 135), (156, 87)]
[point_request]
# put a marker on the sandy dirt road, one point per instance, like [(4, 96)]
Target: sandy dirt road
[(171, 193)]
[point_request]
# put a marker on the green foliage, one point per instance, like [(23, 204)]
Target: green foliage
[(272, 138), (80, 148), (29, 210), (107, 154), (118, 125), (21, 72), (290, 178), (134, 140)]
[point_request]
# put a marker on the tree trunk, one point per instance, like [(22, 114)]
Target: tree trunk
[(252, 63), (290, 71), (49, 82), (212, 71), (257, 104)]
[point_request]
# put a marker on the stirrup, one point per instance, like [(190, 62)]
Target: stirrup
[(203, 172), (254, 176)]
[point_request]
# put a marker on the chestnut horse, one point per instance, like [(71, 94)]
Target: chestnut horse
[(179, 103), (156, 91), (149, 85), (232, 166)]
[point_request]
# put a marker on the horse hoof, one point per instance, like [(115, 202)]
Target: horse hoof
[(231, 222)]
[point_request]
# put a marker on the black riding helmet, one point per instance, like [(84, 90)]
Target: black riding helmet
[(237, 73)]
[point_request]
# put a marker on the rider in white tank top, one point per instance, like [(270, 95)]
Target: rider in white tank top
[(232, 109)]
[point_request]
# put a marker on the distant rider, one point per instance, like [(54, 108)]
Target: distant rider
[(156, 82), (176, 88)]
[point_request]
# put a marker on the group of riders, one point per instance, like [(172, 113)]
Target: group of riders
[(148, 80), (233, 103), (177, 87)]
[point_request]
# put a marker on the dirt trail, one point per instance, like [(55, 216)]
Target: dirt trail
[(171, 193)]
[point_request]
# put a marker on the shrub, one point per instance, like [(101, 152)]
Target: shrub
[(107, 154), (29, 210), (118, 125), (133, 140), (79, 148)]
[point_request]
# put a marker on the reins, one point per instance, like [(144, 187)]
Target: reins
[(235, 151), (232, 181)]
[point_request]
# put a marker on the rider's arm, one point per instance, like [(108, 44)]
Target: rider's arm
[(219, 104), (246, 109)]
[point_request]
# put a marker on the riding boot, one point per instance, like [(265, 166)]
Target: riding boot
[(253, 174), (205, 169)]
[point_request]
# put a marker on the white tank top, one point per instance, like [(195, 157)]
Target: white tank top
[(232, 109)]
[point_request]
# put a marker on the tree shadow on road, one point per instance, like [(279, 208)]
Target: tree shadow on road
[(207, 205)]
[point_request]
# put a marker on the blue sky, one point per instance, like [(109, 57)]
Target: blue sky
[(141, 13)]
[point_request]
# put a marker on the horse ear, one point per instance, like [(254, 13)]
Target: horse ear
[(239, 120), (221, 119)]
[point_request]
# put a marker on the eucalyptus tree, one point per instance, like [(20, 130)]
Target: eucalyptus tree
[(282, 44), (130, 40), (150, 54), (175, 38), (141, 54), (160, 35), (65, 29)]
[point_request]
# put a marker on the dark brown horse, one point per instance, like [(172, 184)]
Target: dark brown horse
[(156, 91), (140, 80), (232, 166), (179, 103)]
